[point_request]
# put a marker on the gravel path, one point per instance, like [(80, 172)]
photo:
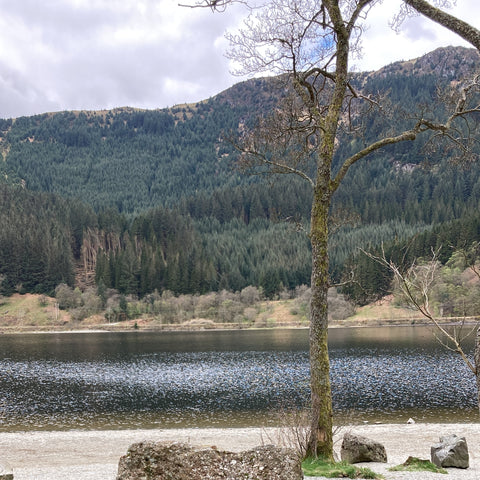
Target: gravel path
[(89, 455)]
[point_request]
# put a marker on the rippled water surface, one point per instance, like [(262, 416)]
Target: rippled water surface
[(139, 379)]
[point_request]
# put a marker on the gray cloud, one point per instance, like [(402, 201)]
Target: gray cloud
[(70, 54), (96, 54), (417, 29)]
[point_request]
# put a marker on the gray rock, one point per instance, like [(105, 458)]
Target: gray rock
[(356, 449), (452, 451), (6, 471), (179, 461)]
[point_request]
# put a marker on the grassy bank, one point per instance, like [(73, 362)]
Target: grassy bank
[(23, 313)]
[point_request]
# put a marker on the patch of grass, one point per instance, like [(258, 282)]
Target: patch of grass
[(316, 467), (414, 464), (29, 310)]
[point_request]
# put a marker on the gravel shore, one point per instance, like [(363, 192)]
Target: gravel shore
[(94, 455)]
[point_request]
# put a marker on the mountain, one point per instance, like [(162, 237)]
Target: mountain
[(153, 198), (449, 63)]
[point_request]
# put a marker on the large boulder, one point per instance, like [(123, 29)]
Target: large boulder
[(179, 461), (356, 449), (451, 451)]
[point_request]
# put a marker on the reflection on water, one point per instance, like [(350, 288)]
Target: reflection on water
[(171, 379)]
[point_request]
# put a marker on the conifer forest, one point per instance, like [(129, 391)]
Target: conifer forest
[(145, 201)]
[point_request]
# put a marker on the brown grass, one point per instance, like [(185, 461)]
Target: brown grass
[(31, 310), (37, 312)]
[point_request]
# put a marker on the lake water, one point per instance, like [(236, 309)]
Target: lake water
[(234, 378)]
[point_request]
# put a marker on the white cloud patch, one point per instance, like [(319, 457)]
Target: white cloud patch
[(417, 35)]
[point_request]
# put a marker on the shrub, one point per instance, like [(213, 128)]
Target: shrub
[(67, 297)]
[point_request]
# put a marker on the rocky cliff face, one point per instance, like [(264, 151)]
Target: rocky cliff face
[(445, 62)]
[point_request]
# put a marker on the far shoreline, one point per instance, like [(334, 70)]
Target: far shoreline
[(131, 326), (33, 313)]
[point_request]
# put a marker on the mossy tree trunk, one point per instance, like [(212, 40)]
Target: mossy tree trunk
[(321, 437), (321, 433)]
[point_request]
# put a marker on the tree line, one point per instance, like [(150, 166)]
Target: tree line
[(373, 280), (46, 240)]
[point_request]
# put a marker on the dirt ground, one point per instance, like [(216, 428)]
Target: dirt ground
[(89, 455)]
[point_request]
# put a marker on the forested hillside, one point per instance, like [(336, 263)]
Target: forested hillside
[(141, 200)]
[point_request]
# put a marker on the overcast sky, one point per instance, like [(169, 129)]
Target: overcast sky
[(101, 54)]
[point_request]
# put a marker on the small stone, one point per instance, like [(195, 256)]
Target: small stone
[(410, 421)]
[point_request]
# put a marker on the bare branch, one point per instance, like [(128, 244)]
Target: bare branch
[(471, 257), (454, 24), (409, 135), (416, 284), (214, 5)]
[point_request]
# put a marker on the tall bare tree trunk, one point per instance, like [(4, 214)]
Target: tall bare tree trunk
[(321, 437)]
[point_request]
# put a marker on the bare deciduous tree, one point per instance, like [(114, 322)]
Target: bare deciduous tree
[(308, 44), (416, 284), (471, 257)]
